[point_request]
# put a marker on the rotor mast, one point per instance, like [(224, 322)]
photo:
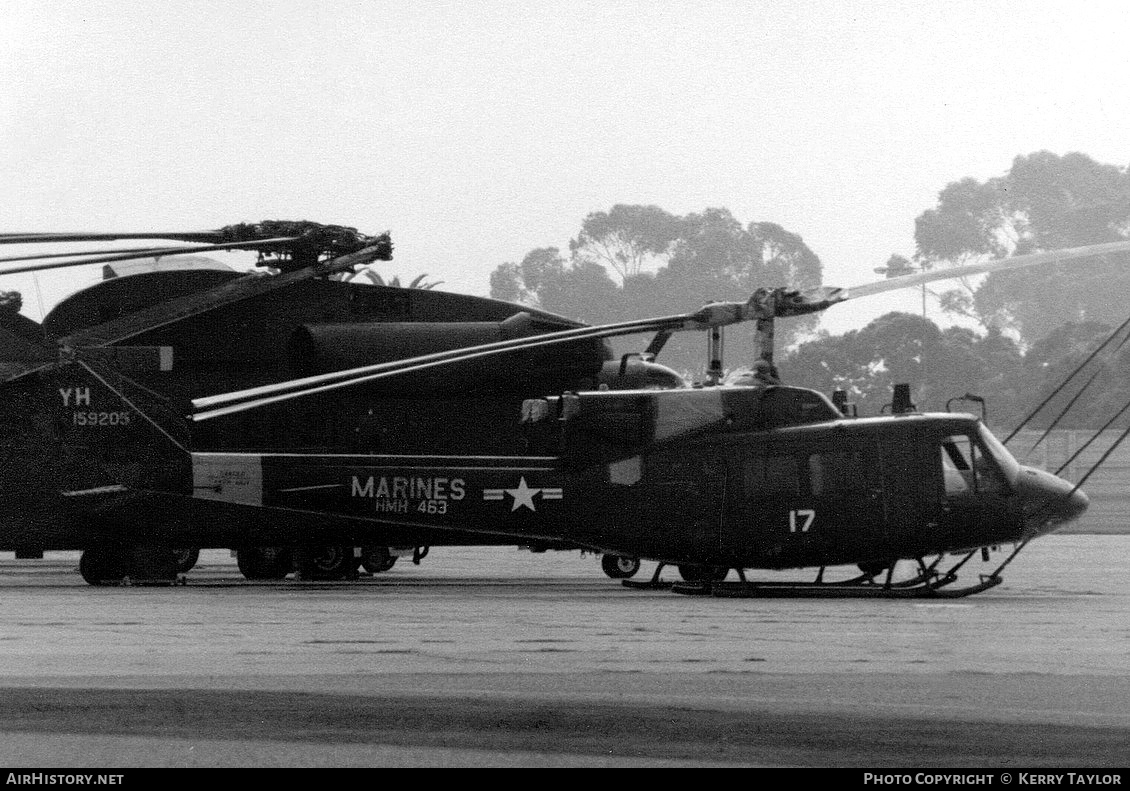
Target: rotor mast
[(767, 304)]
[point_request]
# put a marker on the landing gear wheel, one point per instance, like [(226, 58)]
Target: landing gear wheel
[(377, 559), (691, 573), (152, 566), (102, 566), (185, 559), (330, 562), (619, 567), (264, 563)]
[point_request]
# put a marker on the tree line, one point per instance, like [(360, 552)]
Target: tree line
[(1036, 325), (945, 364)]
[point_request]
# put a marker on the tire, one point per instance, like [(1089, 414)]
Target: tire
[(264, 563), (186, 559), (328, 562), (619, 567), (152, 566), (377, 559), (102, 566)]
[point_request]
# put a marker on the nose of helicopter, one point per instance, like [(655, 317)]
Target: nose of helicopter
[(1049, 502)]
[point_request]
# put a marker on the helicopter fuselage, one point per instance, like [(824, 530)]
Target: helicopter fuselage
[(827, 492)]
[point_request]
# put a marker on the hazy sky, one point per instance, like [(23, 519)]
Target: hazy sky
[(478, 131)]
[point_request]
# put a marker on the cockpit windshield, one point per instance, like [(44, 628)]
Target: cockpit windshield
[(1000, 454), (968, 466)]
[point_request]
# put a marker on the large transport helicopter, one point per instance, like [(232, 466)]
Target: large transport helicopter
[(399, 427), (97, 393)]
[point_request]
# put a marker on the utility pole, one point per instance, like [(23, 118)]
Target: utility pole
[(899, 266)]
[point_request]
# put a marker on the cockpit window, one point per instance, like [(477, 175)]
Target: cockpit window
[(996, 449), (956, 469), (966, 468)]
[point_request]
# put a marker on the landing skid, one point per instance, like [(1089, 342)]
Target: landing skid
[(928, 583), (822, 590), (655, 583)]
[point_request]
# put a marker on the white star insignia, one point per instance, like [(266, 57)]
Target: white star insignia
[(523, 496)]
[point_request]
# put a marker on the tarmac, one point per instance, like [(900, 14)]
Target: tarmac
[(488, 656)]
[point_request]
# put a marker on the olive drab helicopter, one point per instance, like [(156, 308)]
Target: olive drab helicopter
[(354, 416)]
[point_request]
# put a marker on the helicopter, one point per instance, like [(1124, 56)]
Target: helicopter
[(104, 380), (516, 428)]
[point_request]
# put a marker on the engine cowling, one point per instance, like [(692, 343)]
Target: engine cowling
[(322, 348)]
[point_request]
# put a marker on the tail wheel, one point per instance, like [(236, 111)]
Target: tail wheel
[(329, 562), (185, 559), (264, 563), (619, 567), (377, 559), (102, 566), (694, 573)]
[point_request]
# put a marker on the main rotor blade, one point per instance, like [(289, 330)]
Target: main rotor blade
[(315, 239), (155, 252), (1015, 262), (35, 238), (45, 256)]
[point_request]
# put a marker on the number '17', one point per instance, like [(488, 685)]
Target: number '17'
[(801, 519)]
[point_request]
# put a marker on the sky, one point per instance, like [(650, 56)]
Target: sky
[(476, 132)]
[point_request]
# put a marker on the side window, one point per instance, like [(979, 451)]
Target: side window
[(957, 469), (822, 473)]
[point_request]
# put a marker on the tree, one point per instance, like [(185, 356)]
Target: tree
[(11, 301), (578, 289), (1053, 358), (506, 283), (583, 291), (625, 238), (1044, 202), (523, 282), (699, 258)]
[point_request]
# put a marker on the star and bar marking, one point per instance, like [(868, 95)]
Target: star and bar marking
[(523, 495)]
